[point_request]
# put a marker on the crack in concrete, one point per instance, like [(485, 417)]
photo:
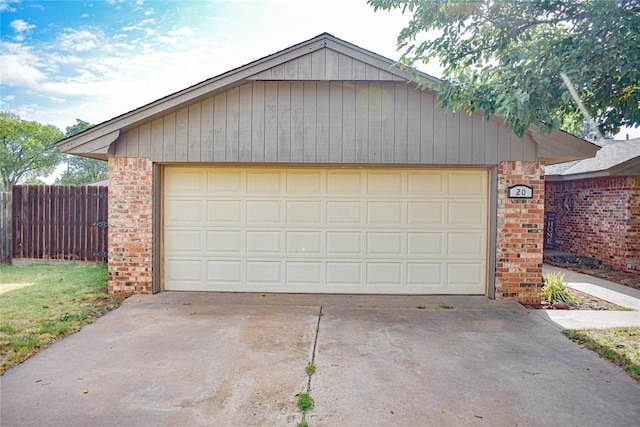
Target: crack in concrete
[(313, 358)]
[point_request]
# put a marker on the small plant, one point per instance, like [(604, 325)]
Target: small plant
[(310, 369), (421, 307), (555, 290), (302, 424), (305, 402), (445, 306)]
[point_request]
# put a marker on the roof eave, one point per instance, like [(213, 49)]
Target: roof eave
[(559, 146)]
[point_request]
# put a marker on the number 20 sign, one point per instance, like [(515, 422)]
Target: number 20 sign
[(520, 192)]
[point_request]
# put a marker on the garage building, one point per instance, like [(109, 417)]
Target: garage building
[(322, 169)]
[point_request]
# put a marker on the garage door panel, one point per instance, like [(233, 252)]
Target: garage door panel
[(304, 182), (185, 181), (341, 183), (465, 184), (264, 272), (260, 183), (304, 212), (424, 244), (229, 182), (468, 214), (464, 244), (224, 212), (424, 213), (425, 183), (464, 273), (341, 213), (384, 273), (303, 272), (424, 274), (182, 241), (184, 270), (185, 212), (413, 231), (304, 242), (263, 242), (263, 212), (384, 213), (344, 273), (343, 243), (386, 243), (224, 241), (384, 182), (224, 271)]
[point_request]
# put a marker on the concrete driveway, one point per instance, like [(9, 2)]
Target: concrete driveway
[(238, 359)]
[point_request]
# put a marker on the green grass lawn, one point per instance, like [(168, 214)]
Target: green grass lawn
[(619, 345), (41, 303)]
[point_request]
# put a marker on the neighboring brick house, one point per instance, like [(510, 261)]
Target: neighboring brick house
[(322, 169), (594, 205)]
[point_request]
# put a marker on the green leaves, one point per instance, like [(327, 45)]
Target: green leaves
[(506, 58), (27, 149)]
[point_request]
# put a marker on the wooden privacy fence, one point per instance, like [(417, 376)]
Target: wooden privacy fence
[(5, 228), (60, 222)]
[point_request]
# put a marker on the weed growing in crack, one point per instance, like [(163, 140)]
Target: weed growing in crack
[(302, 424), (310, 369), (305, 402), (445, 306)]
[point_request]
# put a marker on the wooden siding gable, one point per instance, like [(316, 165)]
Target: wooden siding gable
[(323, 122), (329, 64)]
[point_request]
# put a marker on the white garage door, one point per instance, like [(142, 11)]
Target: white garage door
[(404, 231)]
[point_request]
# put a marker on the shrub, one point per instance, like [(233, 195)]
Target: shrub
[(555, 290)]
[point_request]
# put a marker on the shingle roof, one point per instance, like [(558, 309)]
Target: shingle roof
[(612, 154)]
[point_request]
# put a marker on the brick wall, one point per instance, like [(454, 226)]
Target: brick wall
[(602, 220), (520, 231), (130, 225)]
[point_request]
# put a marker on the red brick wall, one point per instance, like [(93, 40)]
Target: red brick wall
[(520, 232), (130, 225), (603, 220)]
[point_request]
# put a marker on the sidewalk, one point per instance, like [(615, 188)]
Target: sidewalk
[(583, 319)]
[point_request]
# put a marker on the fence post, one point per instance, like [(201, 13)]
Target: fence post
[(6, 239)]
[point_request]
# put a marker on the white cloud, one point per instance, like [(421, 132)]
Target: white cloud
[(78, 40), (182, 31), (20, 26), (8, 98), (21, 29), (5, 5), (19, 66), (139, 26)]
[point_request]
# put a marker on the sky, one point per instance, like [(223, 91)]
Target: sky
[(94, 60)]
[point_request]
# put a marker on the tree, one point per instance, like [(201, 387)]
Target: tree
[(509, 58), (27, 149), (81, 170)]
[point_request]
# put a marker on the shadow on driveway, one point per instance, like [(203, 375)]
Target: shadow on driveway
[(239, 359)]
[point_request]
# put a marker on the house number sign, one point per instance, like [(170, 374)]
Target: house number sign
[(520, 192)]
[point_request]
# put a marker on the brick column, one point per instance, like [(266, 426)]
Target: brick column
[(130, 225), (520, 229)]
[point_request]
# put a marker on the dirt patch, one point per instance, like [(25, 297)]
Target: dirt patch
[(585, 302)]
